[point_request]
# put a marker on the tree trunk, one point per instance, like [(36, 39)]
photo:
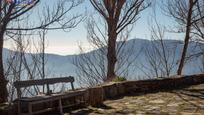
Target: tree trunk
[(111, 55), (187, 38), (3, 81)]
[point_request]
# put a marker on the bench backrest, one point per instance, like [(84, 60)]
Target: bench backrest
[(20, 84)]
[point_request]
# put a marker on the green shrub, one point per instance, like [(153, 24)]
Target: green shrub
[(119, 79)]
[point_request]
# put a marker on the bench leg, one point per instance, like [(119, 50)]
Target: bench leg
[(60, 107), (19, 108), (30, 109)]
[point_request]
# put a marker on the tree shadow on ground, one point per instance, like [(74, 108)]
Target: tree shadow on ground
[(189, 95), (196, 93)]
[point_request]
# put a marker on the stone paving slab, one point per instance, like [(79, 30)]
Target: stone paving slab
[(188, 101)]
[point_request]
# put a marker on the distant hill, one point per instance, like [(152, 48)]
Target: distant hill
[(58, 65)]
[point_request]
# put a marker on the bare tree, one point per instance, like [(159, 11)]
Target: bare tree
[(14, 63), (117, 15), (160, 54), (26, 61), (198, 32), (187, 14), (12, 10), (92, 66), (198, 26)]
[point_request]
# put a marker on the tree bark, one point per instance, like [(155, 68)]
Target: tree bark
[(111, 54), (3, 81), (187, 38)]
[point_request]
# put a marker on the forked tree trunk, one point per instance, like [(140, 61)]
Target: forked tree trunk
[(118, 15), (187, 38)]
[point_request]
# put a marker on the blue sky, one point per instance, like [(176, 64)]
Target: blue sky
[(66, 43)]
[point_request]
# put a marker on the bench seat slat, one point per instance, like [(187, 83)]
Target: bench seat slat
[(27, 83), (45, 98)]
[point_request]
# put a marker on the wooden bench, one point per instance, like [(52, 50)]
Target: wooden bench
[(28, 102)]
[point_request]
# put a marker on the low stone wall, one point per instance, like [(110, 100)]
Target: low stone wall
[(143, 86), (96, 95)]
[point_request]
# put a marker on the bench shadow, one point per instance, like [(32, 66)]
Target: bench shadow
[(103, 106), (86, 111), (81, 112)]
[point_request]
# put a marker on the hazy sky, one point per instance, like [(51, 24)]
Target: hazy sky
[(66, 43)]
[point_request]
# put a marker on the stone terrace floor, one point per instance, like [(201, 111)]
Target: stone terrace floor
[(187, 101)]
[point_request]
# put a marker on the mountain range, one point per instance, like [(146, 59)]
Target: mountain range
[(58, 65)]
